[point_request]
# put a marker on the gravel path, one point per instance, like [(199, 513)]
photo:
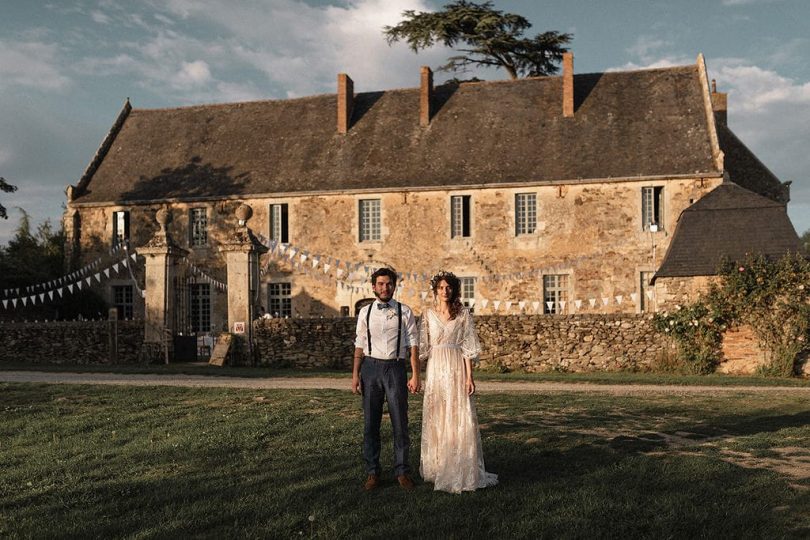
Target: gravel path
[(319, 383)]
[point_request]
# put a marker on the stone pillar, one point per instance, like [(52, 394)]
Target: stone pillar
[(242, 251), (162, 256)]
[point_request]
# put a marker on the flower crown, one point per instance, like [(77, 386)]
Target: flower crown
[(442, 275)]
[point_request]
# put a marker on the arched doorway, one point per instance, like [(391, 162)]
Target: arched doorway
[(360, 304)]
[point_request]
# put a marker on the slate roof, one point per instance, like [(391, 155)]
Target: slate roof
[(626, 124), (746, 169), (729, 221)]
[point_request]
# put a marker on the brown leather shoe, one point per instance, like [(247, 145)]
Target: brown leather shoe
[(372, 482), (405, 482)]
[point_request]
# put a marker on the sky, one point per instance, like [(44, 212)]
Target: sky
[(67, 66)]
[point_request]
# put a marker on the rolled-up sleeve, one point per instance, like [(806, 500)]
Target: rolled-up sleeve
[(361, 337)]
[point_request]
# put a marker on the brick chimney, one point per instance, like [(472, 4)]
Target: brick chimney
[(345, 102), (719, 105), (425, 97), (568, 84)]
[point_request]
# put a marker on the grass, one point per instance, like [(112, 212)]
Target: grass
[(265, 372), (93, 461)]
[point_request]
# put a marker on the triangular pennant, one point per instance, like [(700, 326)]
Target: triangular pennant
[(592, 302), (14, 302), (25, 300), (5, 304), (471, 301), (508, 305), (649, 294), (522, 305), (633, 297), (79, 285), (562, 305), (423, 295), (578, 303), (326, 267), (619, 299), (115, 267), (134, 256), (484, 303), (605, 300), (550, 305), (496, 304), (97, 275), (106, 272), (88, 280), (50, 295), (41, 298), (535, 305), (70, 288)]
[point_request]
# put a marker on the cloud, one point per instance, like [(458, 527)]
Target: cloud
[(100, 17), (31, 64), (747, 2), (192, 74)]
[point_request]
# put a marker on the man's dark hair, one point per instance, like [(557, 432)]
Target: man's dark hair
[(384, 272)]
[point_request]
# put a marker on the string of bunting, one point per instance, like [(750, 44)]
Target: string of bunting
[(417, 285), (71, 277), (70, 283), (221, 286)]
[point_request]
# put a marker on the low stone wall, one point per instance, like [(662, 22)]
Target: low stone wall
[(75, 342), (531, 343)]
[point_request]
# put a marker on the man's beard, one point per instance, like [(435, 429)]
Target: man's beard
[(383, 299)]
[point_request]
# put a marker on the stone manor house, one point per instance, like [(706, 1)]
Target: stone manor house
[(551, 195)]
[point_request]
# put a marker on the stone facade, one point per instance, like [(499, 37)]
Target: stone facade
[(528, 343), (590, 232), (79, 342), (675, 291)]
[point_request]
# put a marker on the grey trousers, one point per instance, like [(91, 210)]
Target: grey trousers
[(385, 381)]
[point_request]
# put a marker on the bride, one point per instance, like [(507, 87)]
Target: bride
[(451, 443)]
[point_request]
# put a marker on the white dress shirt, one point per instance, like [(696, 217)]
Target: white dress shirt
[(383, 324)]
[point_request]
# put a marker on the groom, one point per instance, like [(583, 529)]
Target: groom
[(385, 332)]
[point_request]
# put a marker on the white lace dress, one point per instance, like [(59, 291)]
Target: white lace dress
[(452, 457)]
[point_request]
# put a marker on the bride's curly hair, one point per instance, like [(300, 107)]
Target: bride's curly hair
[(455, 290)]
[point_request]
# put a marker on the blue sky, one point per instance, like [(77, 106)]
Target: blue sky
[(66, 68)]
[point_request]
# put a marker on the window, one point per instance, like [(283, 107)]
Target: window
[(645, 303), (652, 207), (525, 213), (279, 223), (460, 216), (467, 290), (369, 220), (200, 311), (120, 227), (122, 301), (279, 298), (199, 227), (555, 290)]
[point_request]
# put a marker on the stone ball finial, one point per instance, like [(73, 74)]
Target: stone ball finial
[(244, 213), (163, 217)]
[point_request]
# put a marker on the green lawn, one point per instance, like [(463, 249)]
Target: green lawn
[(93, 461)]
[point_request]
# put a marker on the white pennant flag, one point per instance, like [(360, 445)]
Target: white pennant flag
[(522, 305), (292, 253), (633, 297), (315, 263), (25, 300), (508, 305), (619, 299), (124, 262), (88, 280), (41, 298), (106, 272), (303, 257), (79, 285), (115, 267), (70, 288), (326, 267), (592, 302), (134, 256), (649, 294), (550, 306), (340, 272), (496, 304), (5, 304), (50, 295), (423, 295), (562, 305), (472, 302), (605, 300), (535, 306), (14, 301), (98, 277), (578, 303)]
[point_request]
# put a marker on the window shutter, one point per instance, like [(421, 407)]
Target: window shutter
[(284, 226)]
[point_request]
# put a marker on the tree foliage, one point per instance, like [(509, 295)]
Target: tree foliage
[(805, 240), (5, 187), (489, 37)]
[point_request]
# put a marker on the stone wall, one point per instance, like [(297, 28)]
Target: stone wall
[(531, 343), (77, 342)]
